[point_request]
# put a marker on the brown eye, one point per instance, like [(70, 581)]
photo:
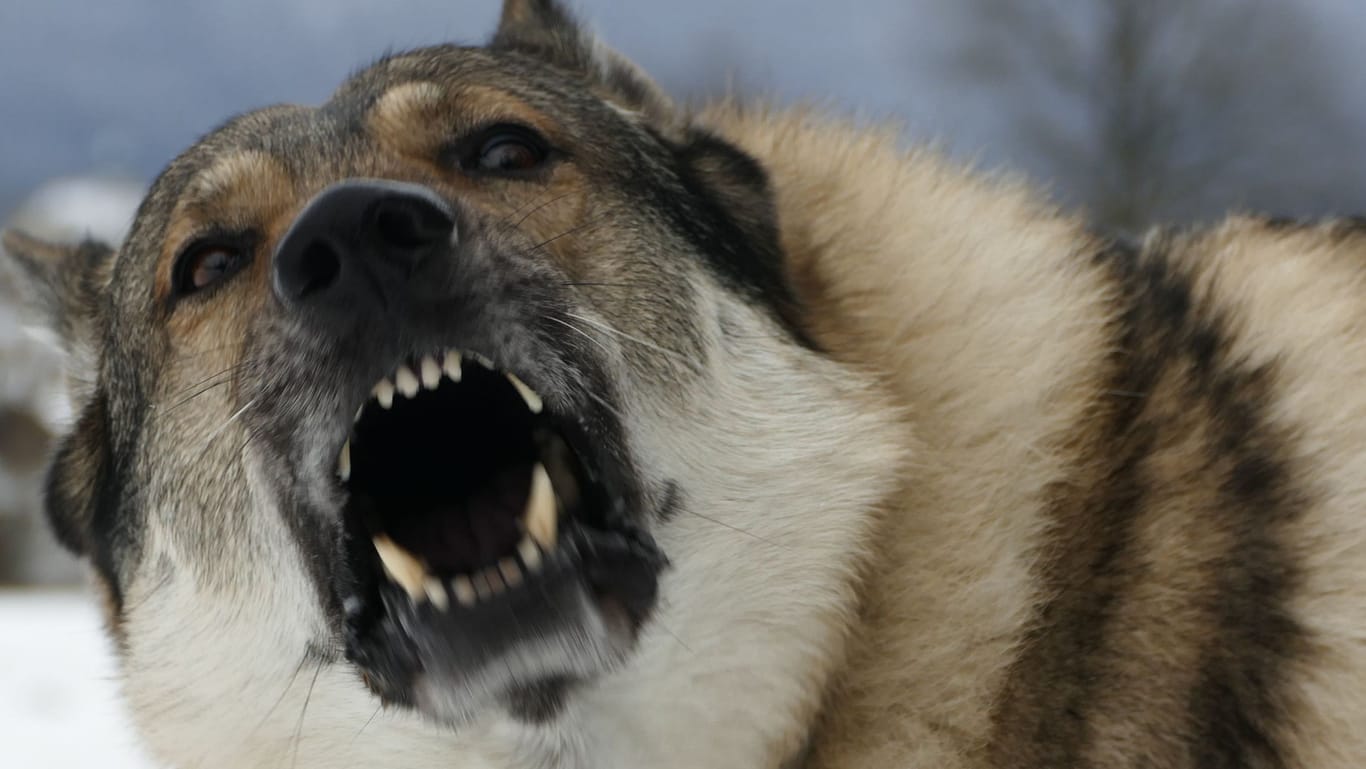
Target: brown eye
[(506, 150), (204, 265)]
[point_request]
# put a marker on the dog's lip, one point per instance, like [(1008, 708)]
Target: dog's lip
[(577, 584), (418, 372), (551, 507), (428, 369)]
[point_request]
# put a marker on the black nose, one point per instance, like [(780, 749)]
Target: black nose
[(358, 239)]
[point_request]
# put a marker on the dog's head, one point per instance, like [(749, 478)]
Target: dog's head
[(419, 396)]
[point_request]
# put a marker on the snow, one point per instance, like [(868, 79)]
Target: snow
[(59, 705), (72, 208)]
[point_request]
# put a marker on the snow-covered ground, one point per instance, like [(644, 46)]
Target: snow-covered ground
[(59, 706)]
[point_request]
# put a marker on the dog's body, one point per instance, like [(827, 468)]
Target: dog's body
[(941, 479)]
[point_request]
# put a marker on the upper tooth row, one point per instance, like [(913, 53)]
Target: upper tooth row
[(429, 372)]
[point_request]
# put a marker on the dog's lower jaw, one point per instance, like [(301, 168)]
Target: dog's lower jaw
[(727, 674)]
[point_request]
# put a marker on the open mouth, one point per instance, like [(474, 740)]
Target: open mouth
[(486, 555), (461, 481)]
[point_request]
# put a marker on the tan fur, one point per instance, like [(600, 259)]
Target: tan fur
[(893, 289), (1299, 301), (980, 310), (1032, 498)]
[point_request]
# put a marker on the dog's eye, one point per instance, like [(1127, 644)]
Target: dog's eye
[(205, 264), (505, 149)]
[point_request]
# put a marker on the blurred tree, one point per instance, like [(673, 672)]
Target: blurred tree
[(1148, 111)]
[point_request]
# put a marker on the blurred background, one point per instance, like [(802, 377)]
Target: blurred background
[(1135, 111)]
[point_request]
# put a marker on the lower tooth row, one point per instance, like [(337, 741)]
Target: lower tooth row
[(409, 573)]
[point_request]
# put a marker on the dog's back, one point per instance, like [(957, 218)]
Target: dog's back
[(1132, 533)]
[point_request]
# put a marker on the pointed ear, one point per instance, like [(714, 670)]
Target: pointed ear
[(544, 29), (747, 247), (60, 284)]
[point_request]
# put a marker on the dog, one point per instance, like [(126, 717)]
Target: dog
[(500, 412)]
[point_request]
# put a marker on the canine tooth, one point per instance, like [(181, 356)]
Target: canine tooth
[(452, 365), (431, 373), (531, 555), (384, 393), (436, 592), (481, 360), (344, 462), (540, 513), (359, 410), (494, 579), (406, 381), (533, 401), (464, 591), (512, 573), (482, 588), (402, 567)]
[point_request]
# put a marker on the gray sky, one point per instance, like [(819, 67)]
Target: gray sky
[(1249, 103)]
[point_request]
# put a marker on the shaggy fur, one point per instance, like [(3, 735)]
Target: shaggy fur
[(957, 483), (1132, 532)]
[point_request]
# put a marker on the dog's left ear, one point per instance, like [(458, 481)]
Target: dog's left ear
[(60, 284), (723, 175), (747, 247), (545, 29)]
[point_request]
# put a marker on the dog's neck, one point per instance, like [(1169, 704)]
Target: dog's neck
[(968, 298)]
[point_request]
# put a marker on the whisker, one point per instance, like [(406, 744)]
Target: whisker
[(676, 355), (595, 284), (288, 685), (668, 630), (736, 529), (538, 208), (601, 401), (367, 723), (580, 332), (572, 230), (231, 419), (217, 379), (208, 442), (299, 727)]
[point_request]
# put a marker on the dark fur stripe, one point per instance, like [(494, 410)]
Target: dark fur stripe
[(1041, 717), (1047, 714), (85, 500)]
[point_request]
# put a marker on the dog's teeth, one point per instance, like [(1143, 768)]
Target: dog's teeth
[(494, 579), (540, 516), (406, 381), (464, 591), (481, 360), (482, 588), (436, 593), (402, 567), (431, 373), (451, 365), (359, 410), (344, 462), (533, 401), (384, 393), (512, 573), (531, 555)]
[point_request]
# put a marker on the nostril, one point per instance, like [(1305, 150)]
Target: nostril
[(319, 265), (409, 224), (372, 233)]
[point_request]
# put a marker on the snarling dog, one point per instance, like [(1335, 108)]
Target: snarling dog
[(501, 413)]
